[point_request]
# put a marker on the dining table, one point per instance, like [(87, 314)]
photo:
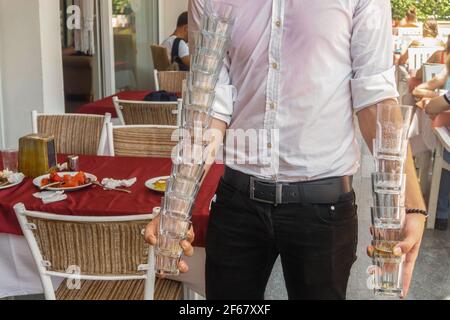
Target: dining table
[(17, 269)]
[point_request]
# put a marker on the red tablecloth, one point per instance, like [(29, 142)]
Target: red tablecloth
[(106, 105), (97, 202)]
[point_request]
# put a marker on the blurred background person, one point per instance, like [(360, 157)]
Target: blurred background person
[(410, 19), (433, 108), (430, 33), (177, 44)]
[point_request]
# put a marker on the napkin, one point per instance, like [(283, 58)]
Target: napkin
[(114, 184), (12, 177), (50, 196)]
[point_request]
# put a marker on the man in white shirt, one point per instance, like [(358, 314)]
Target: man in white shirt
[(177, 44), (301, 69)]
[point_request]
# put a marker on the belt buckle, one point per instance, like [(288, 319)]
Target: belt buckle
[(278, 192)]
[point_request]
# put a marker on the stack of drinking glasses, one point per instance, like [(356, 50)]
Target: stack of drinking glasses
[(189, 161), (389, 182)]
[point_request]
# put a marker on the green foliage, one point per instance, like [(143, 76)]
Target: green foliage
[(425, 8), (122, 7)]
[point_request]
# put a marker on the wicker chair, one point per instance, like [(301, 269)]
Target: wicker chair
[(160, 57), (148, 112), (170, 81), (74, 133), (142, 141), (101, 258)]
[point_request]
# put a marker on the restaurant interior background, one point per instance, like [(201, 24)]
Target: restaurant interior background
[(36, 76)]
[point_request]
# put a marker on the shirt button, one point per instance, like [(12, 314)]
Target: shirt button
[(278, 23), (275, 65), (269, 145), (273, 106)]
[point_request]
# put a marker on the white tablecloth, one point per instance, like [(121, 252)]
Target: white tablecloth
[(19, 276)]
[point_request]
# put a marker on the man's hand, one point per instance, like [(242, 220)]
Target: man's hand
[(151, 236), (412, 238)]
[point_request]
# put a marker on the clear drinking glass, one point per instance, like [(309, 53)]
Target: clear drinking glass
[(207, 60), (177, 206), (388, 275), (217, 26), (166, 265), (189, 170), (388, 217), (388, 182), (203, 80), (183, 187), (211, 41), (388, 200), (196, 117), (393, 123), (394, 166), (219, 10), (388, 267), (219, 17), (174, 226), (201, 98), (10, 159), (169, 245)]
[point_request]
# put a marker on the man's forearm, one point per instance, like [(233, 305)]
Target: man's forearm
[(367, 122)]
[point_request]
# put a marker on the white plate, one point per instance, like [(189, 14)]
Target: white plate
[(12, 185), (151, 183), (37, 181)]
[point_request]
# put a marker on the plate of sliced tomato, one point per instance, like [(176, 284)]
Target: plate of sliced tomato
[(65, 181)]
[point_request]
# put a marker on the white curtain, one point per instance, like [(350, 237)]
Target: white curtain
[(84, 38)]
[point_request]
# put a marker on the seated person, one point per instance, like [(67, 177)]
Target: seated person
[(177, 44), (410, 20), (428, 89), (438, 57), (430, 33), (433, 108)]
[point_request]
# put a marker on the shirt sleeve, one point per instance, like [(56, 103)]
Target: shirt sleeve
[(372, 54), (183, 49), (225, 93)]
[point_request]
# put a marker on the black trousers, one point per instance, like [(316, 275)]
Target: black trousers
[(317, 245)]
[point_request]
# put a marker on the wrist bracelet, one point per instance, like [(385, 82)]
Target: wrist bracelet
[(417, 211)]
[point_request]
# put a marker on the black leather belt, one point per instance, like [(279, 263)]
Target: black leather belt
[(325, 191)]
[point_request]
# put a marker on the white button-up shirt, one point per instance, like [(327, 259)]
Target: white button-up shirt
[(296, 71)]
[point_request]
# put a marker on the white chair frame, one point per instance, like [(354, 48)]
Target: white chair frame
[(439, 165), (103, 136), (111, 127), (418, 56), (22, 214), (117, 105), (409, 32), (155, 74), (430, 70)]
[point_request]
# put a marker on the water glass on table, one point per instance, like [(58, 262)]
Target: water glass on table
[(10, 159)]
